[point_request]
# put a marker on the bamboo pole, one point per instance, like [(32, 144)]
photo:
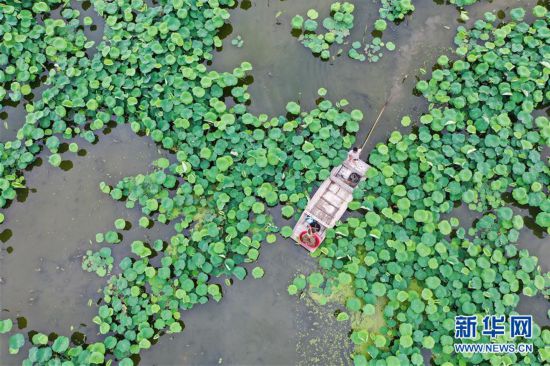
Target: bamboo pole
[(376, 122)]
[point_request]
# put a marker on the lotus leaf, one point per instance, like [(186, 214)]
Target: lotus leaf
[(15, 342), (257, 272), (342, 316), (5, 325)]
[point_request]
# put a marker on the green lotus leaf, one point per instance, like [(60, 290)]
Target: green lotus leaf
[(293, 108), (312, 14), (5, 325), (353, 304), (286, 231), (517, 14), (54, 159), (39, 339), (287, 211), (315, 279), (257, 272), (15, 342), (239, 272), (380, 25), (297, 22), (292, 290), (120, 224), (60, 345), (342, 316)]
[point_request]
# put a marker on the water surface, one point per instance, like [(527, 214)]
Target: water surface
[(257, 322)]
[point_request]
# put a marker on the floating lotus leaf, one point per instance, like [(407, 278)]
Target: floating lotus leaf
[(15, 342), (5, 325), (257, 272)]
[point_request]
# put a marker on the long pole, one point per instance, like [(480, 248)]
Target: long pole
[(376, 122)]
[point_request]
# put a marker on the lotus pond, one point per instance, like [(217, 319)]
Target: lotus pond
[(155, 155)]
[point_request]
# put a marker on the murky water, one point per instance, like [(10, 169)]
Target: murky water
[(43, 238), (40, 258)]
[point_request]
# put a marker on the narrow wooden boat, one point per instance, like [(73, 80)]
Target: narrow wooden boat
[(329, 203)]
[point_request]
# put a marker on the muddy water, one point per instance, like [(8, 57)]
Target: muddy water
[(47, 232), (43, 239)]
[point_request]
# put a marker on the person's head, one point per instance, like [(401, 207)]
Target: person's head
[(355, 149)]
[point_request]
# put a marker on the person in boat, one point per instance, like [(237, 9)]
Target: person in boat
[(312, 224), (353, 155), (310, 237)]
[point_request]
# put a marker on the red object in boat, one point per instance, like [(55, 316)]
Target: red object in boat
[(309, 240)]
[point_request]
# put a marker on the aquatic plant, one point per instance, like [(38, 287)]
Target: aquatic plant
[(338, 25), (237, 41), (395, 10), (100, 262), (360, 50), (120, 224), (391, 10), (5, 325), (462, 3), (15, 342), (402, 265), (258, 272), (30, 48)]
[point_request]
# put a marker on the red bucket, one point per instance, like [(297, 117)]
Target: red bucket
[(311, 241)]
